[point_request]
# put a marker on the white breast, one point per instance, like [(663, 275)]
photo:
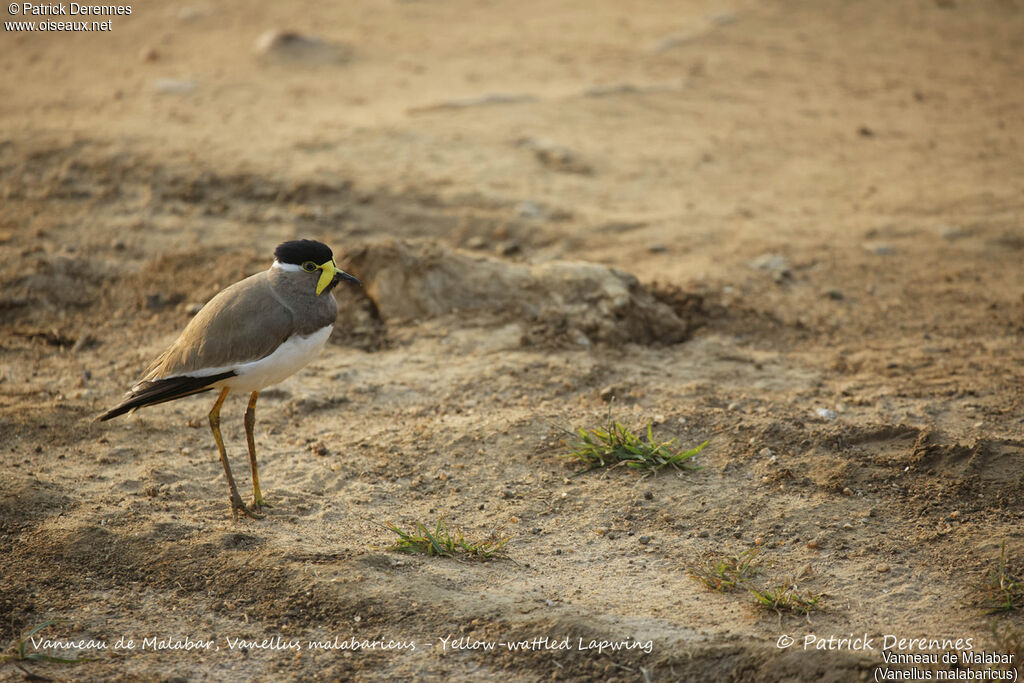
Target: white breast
[(285, 361)]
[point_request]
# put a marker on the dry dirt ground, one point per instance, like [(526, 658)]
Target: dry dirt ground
[(793, 229)]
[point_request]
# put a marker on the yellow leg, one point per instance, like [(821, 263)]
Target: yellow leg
[(236, 500), (250, 424)]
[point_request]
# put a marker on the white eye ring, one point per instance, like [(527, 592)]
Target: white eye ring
[(309, 266)]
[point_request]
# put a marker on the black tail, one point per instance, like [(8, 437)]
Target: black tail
[(163, 390)]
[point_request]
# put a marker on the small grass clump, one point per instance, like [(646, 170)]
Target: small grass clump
[(443, 543), (728, 573), (18, 650), (1010, 641), (615, 444), (785, 598), (1003, 589)]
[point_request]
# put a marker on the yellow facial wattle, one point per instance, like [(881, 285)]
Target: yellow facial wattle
[(327, 272)]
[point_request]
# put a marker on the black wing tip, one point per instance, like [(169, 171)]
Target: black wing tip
[(163, 390), (111, 414)]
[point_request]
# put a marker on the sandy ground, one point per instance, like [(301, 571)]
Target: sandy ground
[(803, 225)]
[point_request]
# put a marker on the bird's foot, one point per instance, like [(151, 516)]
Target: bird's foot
[(238, 507), (258, 503)]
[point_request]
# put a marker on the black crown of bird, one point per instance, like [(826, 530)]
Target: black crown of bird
[(251, 335)]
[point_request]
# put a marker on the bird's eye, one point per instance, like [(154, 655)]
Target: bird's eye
[(309, 266)]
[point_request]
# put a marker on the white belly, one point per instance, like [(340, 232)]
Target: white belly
[(285, 361)]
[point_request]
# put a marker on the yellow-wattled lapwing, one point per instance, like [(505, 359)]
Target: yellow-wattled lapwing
[(255, 333)]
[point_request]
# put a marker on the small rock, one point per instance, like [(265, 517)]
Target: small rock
[(765, 452), (601, 530), (673, 41), (555, 157), (193, 309), (825, 414), (578, 338), (953, 232), (173, 86), (148, 54), (847, 491), (733, 407), (657, 248), (644, 540), (847, 526), (879, 249), (319, 448), (865, 132), (608, 394), (955, 514), (834, 294), (507, 248), (881, 568), (292, 46), (529, 209), (476, 242), (771, 262), (659, 419), (813, 544), (758, 541), (648, 495), (508, 493), (703, 534)]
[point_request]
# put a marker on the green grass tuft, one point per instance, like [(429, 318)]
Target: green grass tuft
[(444, 543), (1003, 589), (728, 573), (785, 598), (615, 444)]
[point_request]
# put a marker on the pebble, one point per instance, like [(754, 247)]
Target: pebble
[(650, 496), (555, 157), (847, 491), (880, 249), (608, 393), (955, 514), (771, 262), (703, 534), (173, 86), (508, 493), (953, 232), (813, 544), (148, 54), (657, 248), (601, 530), (476, 242), (734, 406), (758, 541), (825, 413), (644, 540), (881, 568), (847, 526), (659, 419), (528, 209), (292, 46), (507, 248), (834, 294), (766, 452)]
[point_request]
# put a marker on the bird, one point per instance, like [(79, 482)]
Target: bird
[(251, 335)]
